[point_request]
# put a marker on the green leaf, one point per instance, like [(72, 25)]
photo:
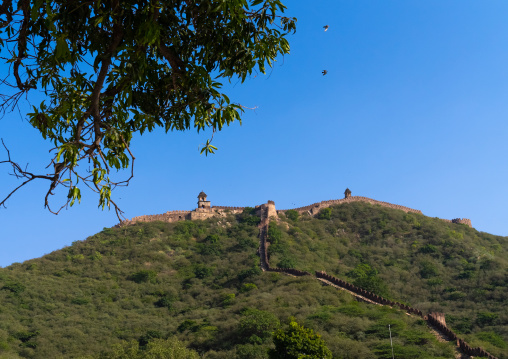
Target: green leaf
[(34, 13)]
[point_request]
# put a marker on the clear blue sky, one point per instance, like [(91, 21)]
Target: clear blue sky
[(413, 111)]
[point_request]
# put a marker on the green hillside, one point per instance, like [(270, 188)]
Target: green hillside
[(427, 263), (199, 283)]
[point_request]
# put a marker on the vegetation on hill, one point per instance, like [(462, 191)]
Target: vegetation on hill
[(197, 286), (427, 263)]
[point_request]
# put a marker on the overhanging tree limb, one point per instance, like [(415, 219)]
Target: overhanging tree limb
[(111, 69)]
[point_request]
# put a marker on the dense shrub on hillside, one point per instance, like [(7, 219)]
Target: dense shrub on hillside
[(257, 326), (365, 277), (292, 214), (297, 342), (200, 283), (248, 217), (274, 233), (170, 348), (144, 275)]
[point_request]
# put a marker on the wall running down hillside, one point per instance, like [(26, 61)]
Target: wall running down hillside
[(436, 320), (313, 209)]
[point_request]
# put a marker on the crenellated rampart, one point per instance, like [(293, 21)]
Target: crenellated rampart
[(437, 320), (434, 320), (268, 211), (314, 208), (174, 216), (227, 208), (292, 271), (465, 221), (171, 216), (366, 294)]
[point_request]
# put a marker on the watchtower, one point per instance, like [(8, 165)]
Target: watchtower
[(347, 193), (202, 202)]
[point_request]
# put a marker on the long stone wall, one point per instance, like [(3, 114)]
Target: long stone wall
[(174, 216), (369, 295), (171, 216), (228, 208), (266, 212), (314, 208), (465, 221), (437, 320), (263, 235)]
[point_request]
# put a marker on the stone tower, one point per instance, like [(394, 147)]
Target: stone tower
[(202, 202), (347, 193)]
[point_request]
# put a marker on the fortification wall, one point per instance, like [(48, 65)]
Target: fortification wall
[(440, 317), (292, 271), (263, 212), (465, 221), (369, 295), (227, 208), (435, 319), (174, 216), (314, 208), (271, 211), (171, 216)]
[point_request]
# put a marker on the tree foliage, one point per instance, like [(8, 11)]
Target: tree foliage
[(292, 214), (111, 69), (366, 277), (298, 342), (256, 325), (170, 348)]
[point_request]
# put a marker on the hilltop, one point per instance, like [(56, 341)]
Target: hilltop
[(201, 281)]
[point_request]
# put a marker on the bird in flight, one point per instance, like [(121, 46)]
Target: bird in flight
[(324, 72), (326, 27)]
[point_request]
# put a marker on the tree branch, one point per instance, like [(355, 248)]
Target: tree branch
[(4, 10), (177, 65), (93, 110), (25, 6), (18, 172)]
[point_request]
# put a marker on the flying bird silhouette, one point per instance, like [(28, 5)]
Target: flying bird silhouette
[(324, 72), (326, 27)]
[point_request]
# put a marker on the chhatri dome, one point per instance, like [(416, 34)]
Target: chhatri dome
[(202, 202), (347, 193)]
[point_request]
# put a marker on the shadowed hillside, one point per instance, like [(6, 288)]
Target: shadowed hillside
[(200, 282)]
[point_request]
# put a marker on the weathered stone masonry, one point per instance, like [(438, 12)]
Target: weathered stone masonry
[(204, 210)]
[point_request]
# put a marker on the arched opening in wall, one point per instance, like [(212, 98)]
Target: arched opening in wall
[(202, 206), (179, 217)]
